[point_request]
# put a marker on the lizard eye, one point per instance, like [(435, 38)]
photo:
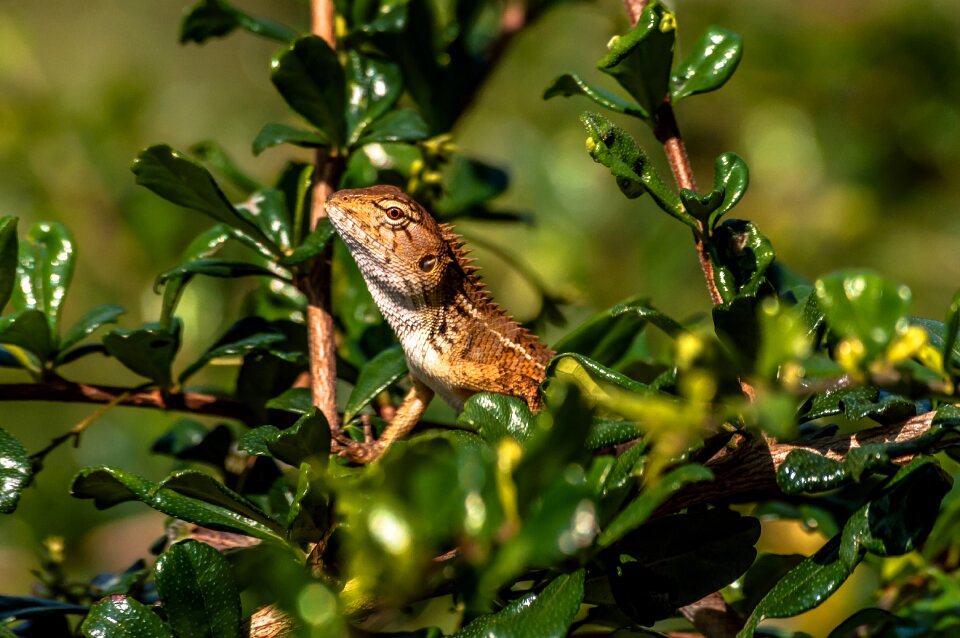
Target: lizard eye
[(428, 263), (394, 214)]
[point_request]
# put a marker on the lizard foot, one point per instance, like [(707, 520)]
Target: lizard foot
[(365, 452)]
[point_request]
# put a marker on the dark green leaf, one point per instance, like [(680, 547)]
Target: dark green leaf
[(679, 559), (730, 177), (88, 323), (29, 330), (268, 209), (215, 156), (123, 617), (469, 184), (46, 269), (204, 245), (315, 243), (599, 372), (862, 402), (873, 617), (865, 306), (709, 65), (400, 125), (613, 147), (951, 347), (640, 60), (307, 440), (250, 334), (652, 496), (378, 16), (547, 614), (179, 179), (191, 440), (311, 80), (495, 416), (31, 607), (700, 206), (214, 18), (610, 432), (148, 351), (8, 258), (15, 471), (743, 255), (375, 377), (373, 85), (273, 134), (190, 496), (198, 591), (215, 267), (309, 517), (296, 400), (571, 84)]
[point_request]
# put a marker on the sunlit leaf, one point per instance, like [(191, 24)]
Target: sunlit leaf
[(709, 64), (273, 134), (571, 84), (16, 471), (123, 617)]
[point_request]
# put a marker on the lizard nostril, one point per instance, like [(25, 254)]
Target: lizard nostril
[(428, 263)]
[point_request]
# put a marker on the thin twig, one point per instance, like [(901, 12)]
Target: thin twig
[(316, 283), (75, 432)]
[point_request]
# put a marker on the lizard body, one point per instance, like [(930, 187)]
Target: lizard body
[(456, 339)]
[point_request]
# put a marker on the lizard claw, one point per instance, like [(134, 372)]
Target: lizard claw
[(362, 453)]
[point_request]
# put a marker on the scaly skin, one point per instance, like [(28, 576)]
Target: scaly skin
[(456, 339)]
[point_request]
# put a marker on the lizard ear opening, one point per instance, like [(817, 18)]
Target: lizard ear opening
[(428, 263)]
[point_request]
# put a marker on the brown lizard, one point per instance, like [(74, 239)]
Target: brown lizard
[(456, 339)]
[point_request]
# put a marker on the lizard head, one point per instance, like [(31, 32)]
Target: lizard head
[(397, 244)]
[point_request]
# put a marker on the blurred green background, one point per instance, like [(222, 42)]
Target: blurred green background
[(848, 115)]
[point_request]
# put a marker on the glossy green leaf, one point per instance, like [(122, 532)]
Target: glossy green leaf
[(399, 125), (215, 267), (215, 156), (803, 588), (16, 471), (214, 18), (373, 84), (700, 206), (676, 560), (123, 617), (297, 400), (731, 177), (267, 208), (189, 496), (599, 372), (861, 402), (495, 416), (29, 330), (571, 84), (315, 243), (709, 65), (8, 258), (311, 80), (545, 614), (376, 16), (863, 305), (88, 323), (198, 592), (148, 351), (45, 271), (375, 377), (308, 519), (640, 60), (651, 497), (179, 179), (250, 334), (744, 256), (307, 440), (610, 432), (273, 134), (613, 147), (204, 245)]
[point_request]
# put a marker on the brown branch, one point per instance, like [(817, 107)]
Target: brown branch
[(316, 283), (69, 392), (747, 471)]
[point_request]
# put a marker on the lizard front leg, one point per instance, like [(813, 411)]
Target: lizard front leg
[(406, 417)]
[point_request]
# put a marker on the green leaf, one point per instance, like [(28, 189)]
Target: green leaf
[(640, 60), (730, 177), (123, 617), (191, 440), (215, 156), (268, 209), (215, 267), (88, 323), (189, 496), (250, 334), (610, 432), (16, 471), (307, 440), (8, 258), (29, 330), (495, 416), (400, 125), (198, 592), (676, 560), (273, 134), (863, 305), (599, 372), (468, 185), (46, 269), (214, 18), (308, 519), (951, 347), (32, 607), (204, 245), (375, 377), (148, 351), (179, 179), (545, 614), (315, 243), (373, 85), (311, 80), (297, 400), (742, 255), (873, 617), (709, 65), (613, 147), (571, 84), (651, 497)]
